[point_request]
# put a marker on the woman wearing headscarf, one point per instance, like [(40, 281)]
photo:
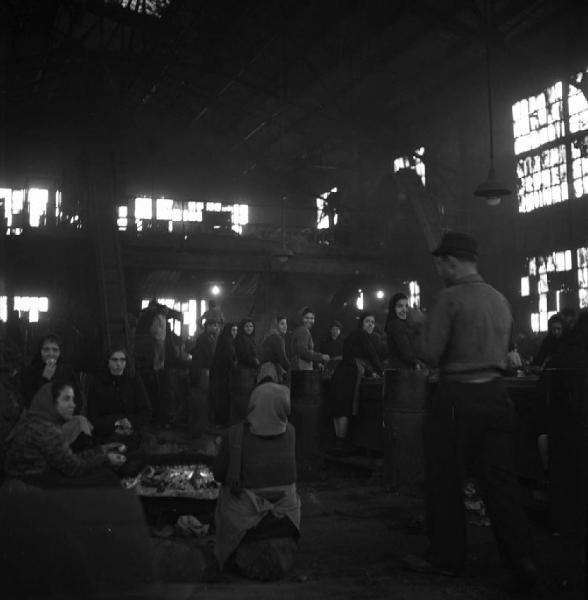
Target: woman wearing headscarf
[(273, 359), (401, 334), (552, 345), (118, 404), (245, 348), (245, 371), (303, 354), (258, 511), (360, 359), (39, 454), (47, 365), (221, 369)]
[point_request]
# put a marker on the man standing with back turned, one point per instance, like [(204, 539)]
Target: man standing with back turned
[(471, 428)]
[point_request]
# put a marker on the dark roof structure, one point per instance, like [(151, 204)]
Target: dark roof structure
[(283, 96)]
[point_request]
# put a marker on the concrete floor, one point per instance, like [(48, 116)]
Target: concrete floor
[(354, 535)]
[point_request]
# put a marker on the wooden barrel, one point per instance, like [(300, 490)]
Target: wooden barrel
[(404, 413), (242, 383), (305, 398), (198, 402)]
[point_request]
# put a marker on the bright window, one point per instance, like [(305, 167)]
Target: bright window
[(176, 211), (414, 298), (322, 210), (577, 104), (582, 258), (542, 179), (544, 142), (143, 208), (38, 199), (3, 308), (33, 305), (538, 119), (548, 276), (152, 8), (414, 161), (122, 220), (188, 308), (524, 286), (164, 209)]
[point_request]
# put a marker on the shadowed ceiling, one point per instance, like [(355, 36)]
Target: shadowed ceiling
[(282, 94)]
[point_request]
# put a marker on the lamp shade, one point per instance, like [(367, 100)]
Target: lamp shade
[(492, 187)]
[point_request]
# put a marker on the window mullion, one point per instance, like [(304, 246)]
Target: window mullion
[(567, 139)]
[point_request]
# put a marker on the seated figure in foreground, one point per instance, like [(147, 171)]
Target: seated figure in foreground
[(39, 453), (118, 404), (258, 510)]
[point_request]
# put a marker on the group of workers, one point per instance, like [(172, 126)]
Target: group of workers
[(465, 336)]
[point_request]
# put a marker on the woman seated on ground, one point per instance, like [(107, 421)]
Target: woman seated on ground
[(360, 359), (118, 404), (38, 453), (273, 357), (258, 510), (46, 366)]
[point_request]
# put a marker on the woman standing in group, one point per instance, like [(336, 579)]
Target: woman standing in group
[(245, 347), (404, 402), (303, 354), (245, 372), (220, 376), (273, 359), (401, 335), (360, 359)]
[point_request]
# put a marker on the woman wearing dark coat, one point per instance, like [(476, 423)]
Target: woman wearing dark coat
[(47, 366), (221, 369), (245, 348), (245, 371), (39, 453), (401, 335), (360, 359), (273, 358), (118, 404)]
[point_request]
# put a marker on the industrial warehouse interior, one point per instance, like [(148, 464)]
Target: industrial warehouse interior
[(293, 299)]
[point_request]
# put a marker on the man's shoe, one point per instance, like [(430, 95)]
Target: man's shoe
[(421, 565)]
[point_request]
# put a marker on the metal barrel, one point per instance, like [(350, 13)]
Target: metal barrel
[(567, 411), (198, 402), (306, 403), (242, 384), (404, 413)]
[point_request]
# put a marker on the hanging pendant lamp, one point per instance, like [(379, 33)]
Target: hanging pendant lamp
[(492, 189)]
